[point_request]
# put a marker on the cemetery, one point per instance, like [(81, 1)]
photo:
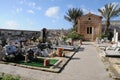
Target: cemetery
[(41, 55), (91, 46), (110, 54)]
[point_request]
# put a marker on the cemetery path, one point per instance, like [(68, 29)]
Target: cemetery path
[(85, 65)]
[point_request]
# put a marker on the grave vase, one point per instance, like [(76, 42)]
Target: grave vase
[(46, 62), (60, 51)]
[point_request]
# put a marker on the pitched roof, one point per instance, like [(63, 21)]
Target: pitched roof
[(90, 14)]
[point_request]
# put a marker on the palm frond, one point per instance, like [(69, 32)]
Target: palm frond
[(72, 15), (110, 11), (67, 18)]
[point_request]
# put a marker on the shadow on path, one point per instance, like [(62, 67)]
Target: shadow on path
[(81, 49), (71, 58), (75, 58)]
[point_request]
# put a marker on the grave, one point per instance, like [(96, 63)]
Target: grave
[(44, 35)]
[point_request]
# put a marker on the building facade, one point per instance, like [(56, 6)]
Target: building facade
[(89, 26)]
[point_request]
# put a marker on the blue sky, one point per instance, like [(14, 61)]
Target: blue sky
[(38, 14)]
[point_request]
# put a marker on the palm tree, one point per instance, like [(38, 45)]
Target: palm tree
[(109, 11), (72, 15)]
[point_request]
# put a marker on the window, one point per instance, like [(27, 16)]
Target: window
[(89, 18), (89, 30)]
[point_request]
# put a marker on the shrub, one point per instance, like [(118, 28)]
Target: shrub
[(33, 38), (39, 39), (74, 35), (109, 35), (65, 38), (101, 36), (9, 77)]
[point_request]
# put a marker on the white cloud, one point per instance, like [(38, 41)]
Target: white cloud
[(32, 4), (114, 3), (22, 1), (52, 12), (38, 8), (87, 10), (19, 10), (31, 11), (11, 25), (95, 12)]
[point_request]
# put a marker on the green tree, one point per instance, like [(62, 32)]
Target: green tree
[(109, 11), (72, 16), (74, 35)]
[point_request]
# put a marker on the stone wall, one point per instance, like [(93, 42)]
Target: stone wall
[(12, 34)]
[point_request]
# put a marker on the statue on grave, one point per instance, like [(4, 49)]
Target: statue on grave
[(44, 35)]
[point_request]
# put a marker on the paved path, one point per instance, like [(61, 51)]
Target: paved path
[(85, 65)]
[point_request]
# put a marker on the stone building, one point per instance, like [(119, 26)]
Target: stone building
[(89, 26)]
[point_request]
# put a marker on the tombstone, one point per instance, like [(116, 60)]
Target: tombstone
[(44, 35), (80, 42), (116, 38)]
